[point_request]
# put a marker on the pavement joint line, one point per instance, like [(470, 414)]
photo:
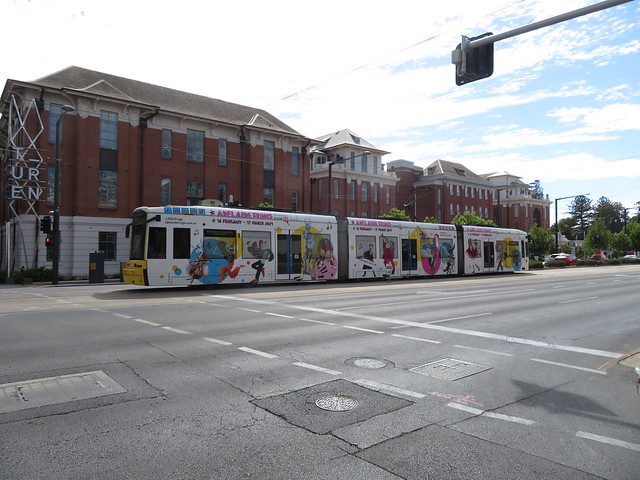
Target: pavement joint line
[(611, 441), (575, 367), (361, 329), (257, 352), (316, 368), (498, 416)]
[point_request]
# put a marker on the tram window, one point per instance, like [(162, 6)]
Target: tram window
[(389, 247), (157, 242), (220, 244), (256, 245), (181, 242), (365, 247)]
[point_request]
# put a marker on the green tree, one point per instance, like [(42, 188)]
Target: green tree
[(581, 211), (612, 213), (633, 232), (620, 243), (471, 218), (542, 241), (566, 226), (598, 238), (430, 220), (396, 213)]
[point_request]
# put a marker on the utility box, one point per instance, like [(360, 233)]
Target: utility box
[(96, 267)]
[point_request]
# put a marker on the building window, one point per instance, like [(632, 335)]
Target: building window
[(108, 189), (295, 161), (334, 189), (269, 155), (107, 244), (458, 209), (109, 130), (195, 146), (352, 161), (375, 164), (388, 194), (222, 192), (269, 196), (222, 152), (516, 211), (450, 189), (165, 191), (195, 192), (353, 190), (458, 190), (55, 111), (363, 163), (294, 201), (375, 192), (167, 143), (365, 192), (473, 192), (451, 209), (320, 189)]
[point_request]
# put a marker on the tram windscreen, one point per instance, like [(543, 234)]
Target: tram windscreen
[(137, 237)]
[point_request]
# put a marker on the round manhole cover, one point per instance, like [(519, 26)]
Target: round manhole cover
[(336, 403), (372, 363)]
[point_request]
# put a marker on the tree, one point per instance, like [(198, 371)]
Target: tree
[(542, 241), (566, 226), (537, 190), (612, 213), (620, 243), (430, 220), (581, 211), (598, 238), (396, 213), (633, 232), (472, 218)]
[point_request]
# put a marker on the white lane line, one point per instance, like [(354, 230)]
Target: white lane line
[(461, 318), (315, 321), (578, 300), (250, 310), (575, 367), (316, 368), (610, 441), (278, 315), (414, 338), (389, 388), (215, 340), (146, 322), (482, 413), (177, 330), (484, 350), (257, 352), (121, 315), (558, 286), (361, 329)]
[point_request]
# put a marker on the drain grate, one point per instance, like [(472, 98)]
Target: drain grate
[(54, 390), (336, 403), (450, 369)]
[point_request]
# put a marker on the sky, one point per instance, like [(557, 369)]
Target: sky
[(562, 106)]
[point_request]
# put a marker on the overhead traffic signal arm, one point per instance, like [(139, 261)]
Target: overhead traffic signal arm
[(472, 62)]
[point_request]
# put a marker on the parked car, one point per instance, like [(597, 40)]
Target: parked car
[(598, 256), (563, 257), (631, 256)]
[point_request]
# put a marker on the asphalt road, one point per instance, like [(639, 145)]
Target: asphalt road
[(520, 376)]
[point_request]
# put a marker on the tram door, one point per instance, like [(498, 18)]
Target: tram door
[(409, 254), (489, 256), (289, 255)]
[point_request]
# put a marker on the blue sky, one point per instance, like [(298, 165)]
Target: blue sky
[(563, 104)]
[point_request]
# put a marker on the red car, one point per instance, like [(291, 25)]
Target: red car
[(563, 257), (598, 256)]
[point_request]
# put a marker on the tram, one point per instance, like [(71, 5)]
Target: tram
[(198, 245)]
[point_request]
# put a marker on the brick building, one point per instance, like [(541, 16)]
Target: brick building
[(126, 144)]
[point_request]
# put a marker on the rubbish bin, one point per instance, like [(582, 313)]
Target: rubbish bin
[(96, 267)]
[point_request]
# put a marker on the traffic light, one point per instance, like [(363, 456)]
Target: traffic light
[(45, 224), (48, 241), (472, 63)]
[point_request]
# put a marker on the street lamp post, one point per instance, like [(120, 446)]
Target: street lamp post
[(564, 198), (56, 197)]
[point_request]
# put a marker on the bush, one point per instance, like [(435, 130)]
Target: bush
[(533, 264), (627, 261), (37, 274), (555, 263)]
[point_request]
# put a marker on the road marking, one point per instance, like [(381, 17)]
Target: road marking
[(461, 318), (315, 321), (558, 286), (578, 300), (484, 350), (575, 367), (250, 310), (610, 441), (215, 340), (278, 315), (121, 315), (316, 368), (257, 352), (177, 330), (389, 388), (414, 338), (482, 413), (146, 322), (99, 310), (362, 329)]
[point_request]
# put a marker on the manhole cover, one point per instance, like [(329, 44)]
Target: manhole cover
[(369, 363), (336, 403), (450, 369)]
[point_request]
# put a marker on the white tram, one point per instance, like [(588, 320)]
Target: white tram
[(176, 245)]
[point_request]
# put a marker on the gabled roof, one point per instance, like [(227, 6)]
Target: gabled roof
[(82, 80), (345, 138), (451, 169)]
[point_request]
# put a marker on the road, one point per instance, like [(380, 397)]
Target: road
[(521, 376)]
